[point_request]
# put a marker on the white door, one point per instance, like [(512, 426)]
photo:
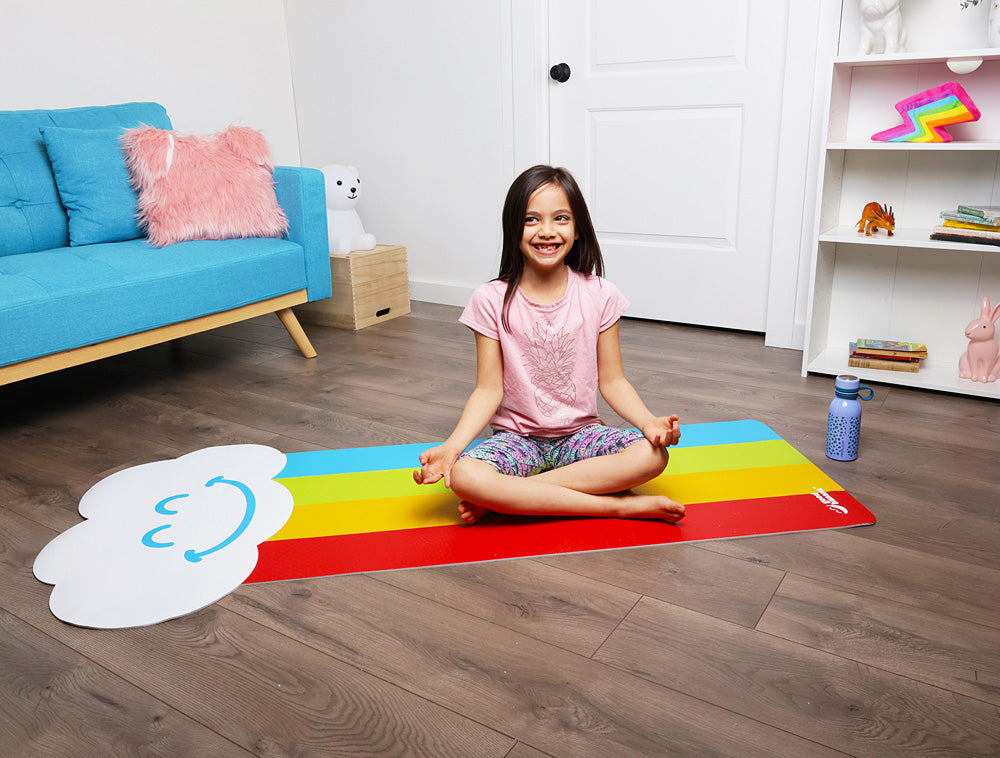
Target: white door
[(669, 121)]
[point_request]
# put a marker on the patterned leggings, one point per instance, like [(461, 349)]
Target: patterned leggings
[(517, 455)]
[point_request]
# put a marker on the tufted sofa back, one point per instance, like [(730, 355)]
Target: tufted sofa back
[(31, 216)]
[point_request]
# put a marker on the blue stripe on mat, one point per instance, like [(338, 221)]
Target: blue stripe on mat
[(388, 457), (725, 433)]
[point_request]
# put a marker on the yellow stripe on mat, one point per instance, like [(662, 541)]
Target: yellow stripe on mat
[(370, 515), (378, 485), (740, 484), (416, 508)]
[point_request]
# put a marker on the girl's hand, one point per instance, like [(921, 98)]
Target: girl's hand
[(435, 464), (662, 432)]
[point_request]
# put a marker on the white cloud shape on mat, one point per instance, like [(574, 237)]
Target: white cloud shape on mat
[(166, 538)]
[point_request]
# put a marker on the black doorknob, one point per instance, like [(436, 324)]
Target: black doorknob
[(560, 72)]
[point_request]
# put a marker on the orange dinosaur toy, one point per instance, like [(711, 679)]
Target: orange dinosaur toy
[(875, 217)]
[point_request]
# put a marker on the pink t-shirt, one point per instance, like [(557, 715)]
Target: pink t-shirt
[(550, 354)]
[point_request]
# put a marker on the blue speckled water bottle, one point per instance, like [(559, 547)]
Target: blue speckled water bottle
[(843, 429)]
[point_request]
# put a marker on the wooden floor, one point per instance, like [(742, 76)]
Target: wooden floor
[(875, 641)]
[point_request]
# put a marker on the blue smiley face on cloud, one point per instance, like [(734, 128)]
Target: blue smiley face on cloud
[(164, 539), (192, 555)]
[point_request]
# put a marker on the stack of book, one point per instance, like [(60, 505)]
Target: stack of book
[(978, 224), (887, 354)]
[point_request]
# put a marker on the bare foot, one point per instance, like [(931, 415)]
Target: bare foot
[(631, 505), (471, 513)]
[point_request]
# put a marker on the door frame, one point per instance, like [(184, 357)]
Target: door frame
[(811, 27)]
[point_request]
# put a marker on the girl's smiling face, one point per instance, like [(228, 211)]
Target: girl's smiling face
[(549, 229)]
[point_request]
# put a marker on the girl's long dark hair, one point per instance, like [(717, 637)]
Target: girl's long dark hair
[(585, 255)]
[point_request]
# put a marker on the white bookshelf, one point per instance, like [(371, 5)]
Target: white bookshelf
[(904, 287)]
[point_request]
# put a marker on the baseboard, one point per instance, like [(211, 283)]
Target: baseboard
[(443, 294)]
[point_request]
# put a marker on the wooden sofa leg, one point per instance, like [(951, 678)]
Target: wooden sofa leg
[(295, 330)]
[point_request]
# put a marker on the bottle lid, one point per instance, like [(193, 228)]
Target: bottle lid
[(847, 382), (850, 387)]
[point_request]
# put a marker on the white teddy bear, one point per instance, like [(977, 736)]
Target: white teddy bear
[(343, 189)]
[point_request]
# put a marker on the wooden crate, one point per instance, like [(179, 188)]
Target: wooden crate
[(369, 286)]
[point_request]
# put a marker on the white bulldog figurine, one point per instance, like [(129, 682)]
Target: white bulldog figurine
[(343, 190)]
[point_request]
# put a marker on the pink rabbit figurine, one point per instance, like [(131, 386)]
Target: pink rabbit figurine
[(981, 360)]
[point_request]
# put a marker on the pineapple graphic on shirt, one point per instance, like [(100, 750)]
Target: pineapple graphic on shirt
[(550, 360)]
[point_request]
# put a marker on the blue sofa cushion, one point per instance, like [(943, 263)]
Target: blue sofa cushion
[(93, 184), (31, 214), (72, 296)]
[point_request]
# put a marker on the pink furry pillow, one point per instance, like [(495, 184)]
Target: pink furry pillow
[(216, 186)]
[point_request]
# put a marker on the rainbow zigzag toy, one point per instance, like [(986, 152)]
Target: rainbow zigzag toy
[(927, 112)]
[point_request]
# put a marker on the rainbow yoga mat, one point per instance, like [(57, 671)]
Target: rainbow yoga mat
[(359, 510)]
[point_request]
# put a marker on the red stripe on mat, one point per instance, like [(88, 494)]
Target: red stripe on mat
[(499, 537)]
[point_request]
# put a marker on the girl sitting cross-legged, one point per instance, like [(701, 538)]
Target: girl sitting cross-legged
[(546, 334)]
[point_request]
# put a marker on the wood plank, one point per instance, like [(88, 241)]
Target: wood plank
[(959, 589), (56, 702), (348, 427), (259, 329), (87, 443), (433, 420), (520, 750), (123, 429), (525, 596), (232, 353), (944, 471), (42, 490), (817, 696), (556, 701), (255, 687), (684, 575), (913, 642), (948, 531)]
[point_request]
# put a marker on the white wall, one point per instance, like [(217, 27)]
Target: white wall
[(210, 63), (415, 95)]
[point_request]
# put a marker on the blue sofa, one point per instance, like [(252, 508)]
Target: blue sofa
[(63, 303)]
